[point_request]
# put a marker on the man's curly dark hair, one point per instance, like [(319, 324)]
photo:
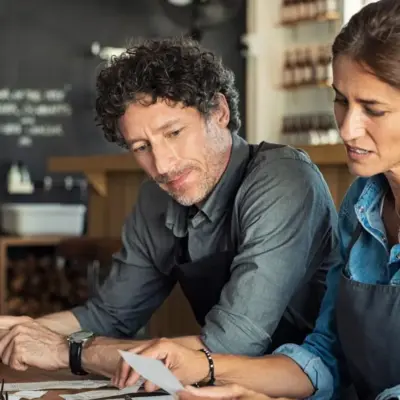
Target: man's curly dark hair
[(172, 69)]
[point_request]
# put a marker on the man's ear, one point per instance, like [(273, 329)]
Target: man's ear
[(221, 113)]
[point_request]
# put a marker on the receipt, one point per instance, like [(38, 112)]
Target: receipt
[(27, 394), (154, 371), (101, 394), (30, 394), (82, 384)]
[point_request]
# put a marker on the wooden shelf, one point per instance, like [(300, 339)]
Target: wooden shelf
[(321, 85), (328, 17), (31, 240), (99, 163), (326, 154)]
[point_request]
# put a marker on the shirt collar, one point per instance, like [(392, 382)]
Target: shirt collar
[(372, 195), (220, 198)]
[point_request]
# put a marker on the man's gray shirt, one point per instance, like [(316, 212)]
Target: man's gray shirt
[(283, 222)]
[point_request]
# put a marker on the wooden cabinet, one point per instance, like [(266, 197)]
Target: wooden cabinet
[(10, 242)]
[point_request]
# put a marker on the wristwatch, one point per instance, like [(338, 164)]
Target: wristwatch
[(76, 342)]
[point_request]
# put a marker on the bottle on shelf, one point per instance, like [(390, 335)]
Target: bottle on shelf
[(331, 7), (294, 10), (302, 10), (288, 70), (312, 9), (314, 129), (284, 11), (287, 11), (333, 132), (288, 130), (309, 67), (328, 66), (304, 129), (324, 66), (321, 8), (299, 67), (314, 139)]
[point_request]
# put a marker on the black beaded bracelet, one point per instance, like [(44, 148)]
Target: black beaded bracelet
[(210, 366)]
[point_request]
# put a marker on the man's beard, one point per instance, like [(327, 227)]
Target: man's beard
[(207, 179), (203, 188)]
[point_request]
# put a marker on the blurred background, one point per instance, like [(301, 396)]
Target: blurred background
[(65, 191)]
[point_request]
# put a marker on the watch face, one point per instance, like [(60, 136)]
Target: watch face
[(80, 336)]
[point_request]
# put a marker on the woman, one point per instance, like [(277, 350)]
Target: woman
[(356, 336)]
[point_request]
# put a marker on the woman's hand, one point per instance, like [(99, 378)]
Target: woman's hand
[(189, 366), (227, 392)]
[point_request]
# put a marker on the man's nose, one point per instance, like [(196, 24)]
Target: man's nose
[(164, 159)]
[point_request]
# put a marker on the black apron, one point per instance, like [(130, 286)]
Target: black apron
[(202, 281), (368, 325)]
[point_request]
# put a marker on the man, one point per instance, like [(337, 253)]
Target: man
[(247, 231)]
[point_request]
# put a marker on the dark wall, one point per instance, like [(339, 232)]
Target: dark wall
[(45, 46)]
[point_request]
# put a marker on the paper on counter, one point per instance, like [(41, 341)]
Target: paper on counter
[(30, 394), (101, 394), (27, 394), (154, 371), (82, 384)]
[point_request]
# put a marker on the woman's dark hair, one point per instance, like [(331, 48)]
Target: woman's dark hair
[(372, 38), (174, 70)]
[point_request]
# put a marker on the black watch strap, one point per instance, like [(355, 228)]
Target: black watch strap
[(75, 358)]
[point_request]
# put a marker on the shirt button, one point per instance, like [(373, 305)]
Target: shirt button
[(361, 209)]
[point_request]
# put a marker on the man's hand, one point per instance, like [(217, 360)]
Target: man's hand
[(31, 344), (9, 321), (228, 392), (189, 366)]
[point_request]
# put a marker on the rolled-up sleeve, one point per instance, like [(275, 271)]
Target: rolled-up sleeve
[(284, 215), (134, 289)]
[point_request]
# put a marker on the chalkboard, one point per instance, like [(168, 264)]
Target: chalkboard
[(47, 71)]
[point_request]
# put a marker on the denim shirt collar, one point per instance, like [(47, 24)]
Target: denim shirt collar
[(368, 206)]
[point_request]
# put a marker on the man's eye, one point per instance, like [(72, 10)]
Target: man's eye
[(174, 133), (140, 149)]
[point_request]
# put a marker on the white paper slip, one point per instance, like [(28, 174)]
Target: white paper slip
[(101, 394), (30, 394), (154, 371), (82, 384), (27, 394)]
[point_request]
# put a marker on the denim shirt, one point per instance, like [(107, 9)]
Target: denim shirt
[(371, 261)]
